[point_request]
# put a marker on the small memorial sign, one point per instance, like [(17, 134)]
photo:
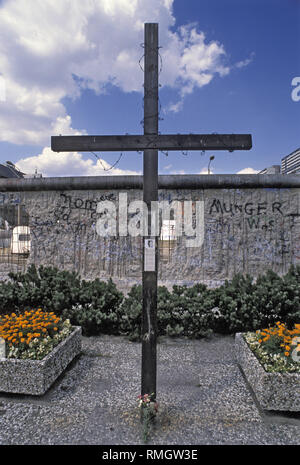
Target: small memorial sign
[(149, 262), (2, 348)]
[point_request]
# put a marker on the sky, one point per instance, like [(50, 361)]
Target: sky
[(74, 67)]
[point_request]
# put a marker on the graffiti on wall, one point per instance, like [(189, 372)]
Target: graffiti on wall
[(246, 231), (253, 234)]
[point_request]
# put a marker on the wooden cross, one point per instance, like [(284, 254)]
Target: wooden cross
[(150, 142)]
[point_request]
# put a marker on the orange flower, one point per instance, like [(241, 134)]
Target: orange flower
[(281, 332), (23, 328)]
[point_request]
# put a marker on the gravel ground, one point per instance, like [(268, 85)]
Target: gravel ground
[(202, 394)]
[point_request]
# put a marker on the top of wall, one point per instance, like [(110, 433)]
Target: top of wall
[(187, 181)]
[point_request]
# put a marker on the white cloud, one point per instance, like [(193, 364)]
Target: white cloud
[(51, 164), (52, 50), (248, 171), (246, 62), (192, 62)]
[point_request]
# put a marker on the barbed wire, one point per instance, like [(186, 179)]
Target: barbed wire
[(153, 91), (147, 93), (112, 166), (152, 50)]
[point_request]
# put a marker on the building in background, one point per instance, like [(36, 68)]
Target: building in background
[(34, 175), (274, 169), (10, 171), (291, 163)]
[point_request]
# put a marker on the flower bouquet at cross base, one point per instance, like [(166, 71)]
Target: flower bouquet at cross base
[(149, 409)]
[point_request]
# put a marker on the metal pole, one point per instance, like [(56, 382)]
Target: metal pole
[(150, 193)]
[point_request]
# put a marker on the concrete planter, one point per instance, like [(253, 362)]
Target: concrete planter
[(274, 391), (35, 377)]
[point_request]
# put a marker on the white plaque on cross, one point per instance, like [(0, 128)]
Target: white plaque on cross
[(149, 255)]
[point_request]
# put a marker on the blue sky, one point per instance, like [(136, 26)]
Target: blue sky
[(227, 67)]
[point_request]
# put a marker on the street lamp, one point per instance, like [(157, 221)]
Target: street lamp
[(210, 160)]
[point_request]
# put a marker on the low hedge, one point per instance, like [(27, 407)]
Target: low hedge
[(90, 304), (241, 304), (183, 312)]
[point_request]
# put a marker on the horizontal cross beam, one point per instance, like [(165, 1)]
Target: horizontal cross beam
[(166, 142)]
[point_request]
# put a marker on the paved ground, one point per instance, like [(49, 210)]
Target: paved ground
[(203, 397)]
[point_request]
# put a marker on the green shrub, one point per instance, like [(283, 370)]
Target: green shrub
[(92, 304), (290, 308), (186, 312), (96, 309), (183, 312), (7, 300), (247, 306), (234, 301), (239, 305), (130, 314), (46, 287)]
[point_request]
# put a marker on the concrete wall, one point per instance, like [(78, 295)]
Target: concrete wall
[(251, 223)]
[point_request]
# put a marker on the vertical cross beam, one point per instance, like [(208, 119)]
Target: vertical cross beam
[(150, 193)]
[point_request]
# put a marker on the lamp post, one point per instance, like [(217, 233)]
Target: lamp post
[(210, 160)]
